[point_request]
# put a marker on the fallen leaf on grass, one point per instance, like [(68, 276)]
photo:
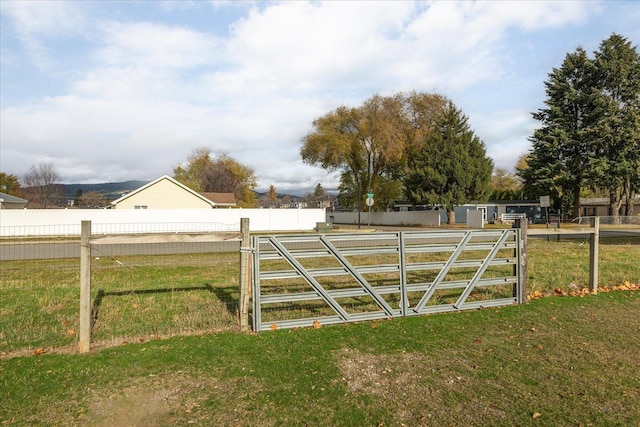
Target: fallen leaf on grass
[(536, 415), (71, 332), (575, 291), (535, 295), (273, 327), (40, 350), (316, 324)]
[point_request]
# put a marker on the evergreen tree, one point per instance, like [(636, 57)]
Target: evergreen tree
[(77, 198), (562, 144), (9, 184), (616, 165), (318, 195), (452, 167)]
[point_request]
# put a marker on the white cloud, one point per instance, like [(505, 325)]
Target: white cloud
[(150, 91), (35, 22), (155, 46)]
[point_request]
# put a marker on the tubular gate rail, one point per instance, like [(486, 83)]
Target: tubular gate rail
[(313, 279)]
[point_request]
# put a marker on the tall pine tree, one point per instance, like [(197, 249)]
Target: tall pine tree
[(452, 167), (561, 145), (590, 129), (616, 166)]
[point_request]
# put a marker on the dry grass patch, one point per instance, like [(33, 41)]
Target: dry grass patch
[(179, 398), (416, 388)]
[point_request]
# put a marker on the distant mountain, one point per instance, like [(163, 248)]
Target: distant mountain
[(111, 190)]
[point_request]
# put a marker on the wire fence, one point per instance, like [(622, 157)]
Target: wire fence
[(144, 286), (610, 220)]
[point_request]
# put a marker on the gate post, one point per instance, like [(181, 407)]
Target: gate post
[(245, 275), (85, 287), (521, 268), (594, 242)]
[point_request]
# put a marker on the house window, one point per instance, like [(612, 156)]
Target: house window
[(141, 207)]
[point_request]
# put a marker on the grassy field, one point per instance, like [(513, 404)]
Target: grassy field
[(567, 361), (553, 361)]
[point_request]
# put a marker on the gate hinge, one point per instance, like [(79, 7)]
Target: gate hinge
[(247, 249)]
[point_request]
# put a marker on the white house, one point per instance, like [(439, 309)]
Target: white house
[(167, 193)]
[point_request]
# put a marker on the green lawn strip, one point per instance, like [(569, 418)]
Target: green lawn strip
[(553, 361)]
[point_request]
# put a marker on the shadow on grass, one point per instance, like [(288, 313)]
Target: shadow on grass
[(225, 296), (621, 241)]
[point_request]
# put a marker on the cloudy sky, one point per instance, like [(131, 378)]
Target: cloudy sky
[(124, 90)]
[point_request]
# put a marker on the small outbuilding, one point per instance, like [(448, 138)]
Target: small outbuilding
[(7, 201), (167, 193)]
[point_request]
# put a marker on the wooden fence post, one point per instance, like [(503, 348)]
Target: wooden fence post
[(85, 287), (245, 275), (521, 294), (594, 249)]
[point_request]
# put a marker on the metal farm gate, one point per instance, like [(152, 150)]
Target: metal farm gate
[(317, 279)]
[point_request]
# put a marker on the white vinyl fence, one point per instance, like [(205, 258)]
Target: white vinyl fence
[(66, 222), (419, 218)]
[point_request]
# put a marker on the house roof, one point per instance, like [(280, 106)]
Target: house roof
[(225, 199), (167, 177), (8, 198)]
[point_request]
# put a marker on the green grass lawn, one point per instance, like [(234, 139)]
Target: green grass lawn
[(565, 264), (554, 361)]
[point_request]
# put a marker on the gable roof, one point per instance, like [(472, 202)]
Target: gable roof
[(8, 198), (224, 199), (164, 177)]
